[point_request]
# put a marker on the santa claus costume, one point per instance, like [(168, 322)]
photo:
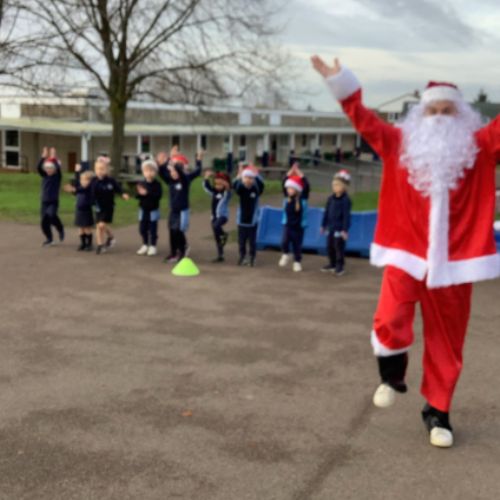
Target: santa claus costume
[(434, 236)]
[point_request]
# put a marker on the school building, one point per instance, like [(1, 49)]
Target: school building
[(80, 129)]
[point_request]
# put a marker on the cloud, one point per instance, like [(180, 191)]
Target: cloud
[(397, 45)]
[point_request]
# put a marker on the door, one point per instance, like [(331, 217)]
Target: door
[(71, 162)]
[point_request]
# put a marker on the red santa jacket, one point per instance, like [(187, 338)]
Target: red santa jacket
[(446, 238)]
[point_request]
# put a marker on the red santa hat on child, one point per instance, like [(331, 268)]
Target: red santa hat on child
[(441, 91), (343, 175), (50, 163), (295, 182), (179, 159), (249, 171)]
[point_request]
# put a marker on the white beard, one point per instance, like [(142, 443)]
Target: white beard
[(437, 150)]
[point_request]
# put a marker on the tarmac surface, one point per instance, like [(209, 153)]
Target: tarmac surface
[(121, 381)]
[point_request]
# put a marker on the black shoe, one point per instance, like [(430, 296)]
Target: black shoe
[(110, 242), (220, 258), (81, 248), (100, 249), (61, 235), (327, 269), (433, 417), (47, 243)]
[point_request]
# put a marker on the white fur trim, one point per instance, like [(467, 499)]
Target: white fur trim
[(441, 93), (381, 256), (439, 234), (289, 183), (343, 84), (457, 272), (248, 172), (381, 350)]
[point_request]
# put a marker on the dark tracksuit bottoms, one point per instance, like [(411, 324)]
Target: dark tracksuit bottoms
[(51, 185), (337, 219)]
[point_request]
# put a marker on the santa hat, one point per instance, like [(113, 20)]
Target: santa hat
[(441, 91), (179, 159), (50, 163), (343, 175), (249, 172), (295, 182), (223, 177)]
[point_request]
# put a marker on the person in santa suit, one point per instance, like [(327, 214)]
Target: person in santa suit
[(434, 234)]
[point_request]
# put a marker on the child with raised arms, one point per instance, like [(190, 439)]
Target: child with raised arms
[(220, 191)]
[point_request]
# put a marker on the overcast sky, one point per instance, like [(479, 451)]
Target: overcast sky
[(396, 46)]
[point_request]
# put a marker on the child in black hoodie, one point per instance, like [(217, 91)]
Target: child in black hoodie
[(84, 217), (173, 171), (336, 222), (149, 193), (49, 169)]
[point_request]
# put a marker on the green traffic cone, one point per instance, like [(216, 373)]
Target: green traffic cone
[(185, 267)]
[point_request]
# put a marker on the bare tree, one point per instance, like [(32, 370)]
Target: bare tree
[(196, 51)]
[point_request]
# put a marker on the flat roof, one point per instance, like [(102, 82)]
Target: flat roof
[(75, 128)]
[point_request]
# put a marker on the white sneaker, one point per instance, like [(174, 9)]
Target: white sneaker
[(441, 437), (384, 396), (143, 250), (152, 251), (284, 260), (297, 267)]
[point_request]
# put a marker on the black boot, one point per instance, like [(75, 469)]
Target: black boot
[(88, 246), (433, 417), (392, 370), (83, 242)]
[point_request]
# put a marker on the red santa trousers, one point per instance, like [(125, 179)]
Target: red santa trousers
[(445, 313)]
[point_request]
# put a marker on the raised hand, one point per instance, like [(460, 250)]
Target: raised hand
[(199, 155), (323, 69), (161, 158), (53, 153), (174, 151), (45, 152), (208, 173), (78, 168)]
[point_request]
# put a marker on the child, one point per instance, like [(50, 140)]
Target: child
[(174, 173), (296, 190), (103, 190), (149, 193), (221, 194), (49, 169), (248, 186), (337, 221), (84, 218)]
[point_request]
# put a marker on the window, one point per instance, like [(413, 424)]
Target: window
[(320, 140), (304, 140), (12, 148), (12, 138), (12, 158), (243, 141), (176, 140), (204, 142), (145, 144)]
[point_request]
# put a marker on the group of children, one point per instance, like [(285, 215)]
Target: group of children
[(95, 191)]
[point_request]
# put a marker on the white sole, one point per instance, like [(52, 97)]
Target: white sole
[(441, 438), (384, 397)]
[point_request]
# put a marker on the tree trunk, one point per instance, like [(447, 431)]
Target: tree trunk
[(118, 116)]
